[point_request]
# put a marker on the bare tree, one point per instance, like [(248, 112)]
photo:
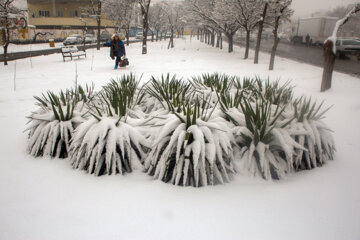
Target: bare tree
[(247, 18), (265, 4), (122, 13), (144, 6), (8, 17), (173, 13), (157, 19), (215, 14), (94, 11), (352, 27), (279, 12), (330, 49)]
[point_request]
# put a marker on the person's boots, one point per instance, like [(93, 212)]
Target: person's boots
[(116, 66)]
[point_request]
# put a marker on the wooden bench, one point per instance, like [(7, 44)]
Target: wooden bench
[(71, 51)]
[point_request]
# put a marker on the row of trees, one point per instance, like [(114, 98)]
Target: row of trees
[(159, 18), (216, 17)]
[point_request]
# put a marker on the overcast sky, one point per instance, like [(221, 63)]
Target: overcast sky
[(306, 7)]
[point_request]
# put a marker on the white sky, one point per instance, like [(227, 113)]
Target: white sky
[(306, 7)]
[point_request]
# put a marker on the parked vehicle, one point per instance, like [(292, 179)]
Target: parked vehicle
[(73, 39), (318, 29), (105, 37), (90, 38), (139, 35), (347, 46)]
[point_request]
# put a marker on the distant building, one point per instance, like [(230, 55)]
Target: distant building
[(62, 17)]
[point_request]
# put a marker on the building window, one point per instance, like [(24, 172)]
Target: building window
[(44, 13), (73, 13), (59, 13)]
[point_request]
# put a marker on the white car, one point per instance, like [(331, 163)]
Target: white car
[(90, 38), (72, 40), (348, 46)]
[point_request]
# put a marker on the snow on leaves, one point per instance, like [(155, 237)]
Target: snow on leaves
[(188, 133)]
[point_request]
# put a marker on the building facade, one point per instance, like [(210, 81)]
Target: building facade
[(60, 18)]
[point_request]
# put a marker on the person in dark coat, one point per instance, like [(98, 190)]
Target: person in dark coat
[(117, 49)]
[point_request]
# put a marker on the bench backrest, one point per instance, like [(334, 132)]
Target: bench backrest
[(69, 49)]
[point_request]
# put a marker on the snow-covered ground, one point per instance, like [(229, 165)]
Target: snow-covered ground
[(43, 198)]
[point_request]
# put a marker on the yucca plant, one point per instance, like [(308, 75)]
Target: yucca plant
[(260, 131), (52, 125), (273, 91), (107, 143), (216, 82), (193, 148), (168, 89), (310, 131)]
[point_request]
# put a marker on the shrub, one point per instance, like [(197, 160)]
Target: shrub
[(53, 123), (193, 148), (309, 131), (107, 143)]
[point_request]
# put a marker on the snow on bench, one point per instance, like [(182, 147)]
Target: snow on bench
[(71, 51)]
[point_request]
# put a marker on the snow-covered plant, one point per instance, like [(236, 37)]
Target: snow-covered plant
[(52, 125), (169, 91), (193, 148), (107, 143), (266, 146), (273, 91), (216, 82), (309, 131)]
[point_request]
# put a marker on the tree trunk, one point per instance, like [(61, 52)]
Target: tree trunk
[(161, 36), (127, 35), (247, 46), (7, 39), (273, 52), (98, 33), (198, 34), (276, 42), (145, 32), (217, 40), (258, 40), (221, 45), (329, 62), (230, 38), (5, 54), (171, 41), (152, 36), (213, 38)]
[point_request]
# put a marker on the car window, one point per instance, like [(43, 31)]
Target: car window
[(338, 43), (351, 42)]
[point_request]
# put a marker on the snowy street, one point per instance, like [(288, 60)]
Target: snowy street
[(44, 198)]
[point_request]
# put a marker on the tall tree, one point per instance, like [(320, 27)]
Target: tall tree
[(330, 49), (94, 11), (279, 12), (122, 13), (265, 4), (247, 16), (144, 6), (157, 19), (8, 16), (215, 14)]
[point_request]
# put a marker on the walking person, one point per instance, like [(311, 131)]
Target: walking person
[(117, 48), (307, 39)]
